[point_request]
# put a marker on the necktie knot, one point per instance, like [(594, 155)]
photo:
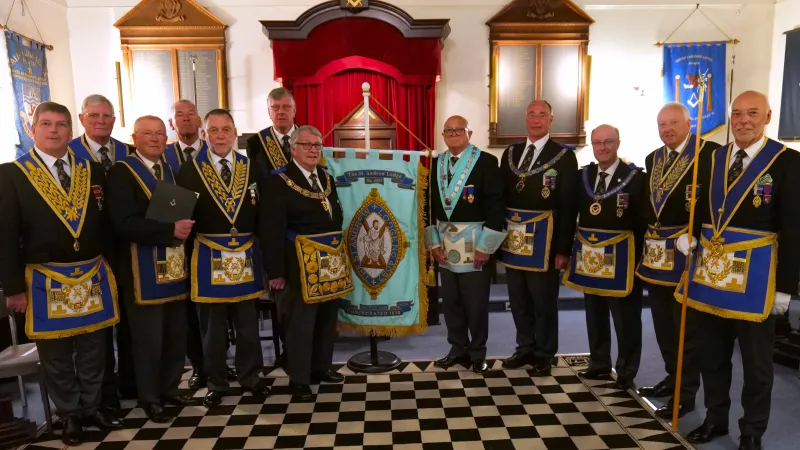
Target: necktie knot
[(314, 183), (60, 164), (601, 185), (737, 167), (105, 160), (285, 146), (103, 150), (225, 171), (528, 160), (157, 170), (188, 152)]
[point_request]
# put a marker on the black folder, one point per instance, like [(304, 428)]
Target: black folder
[(171, 203)]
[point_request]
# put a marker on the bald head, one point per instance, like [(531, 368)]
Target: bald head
[(456, 134), (750, 114), (606, 131), (674, 124), (605, 143)]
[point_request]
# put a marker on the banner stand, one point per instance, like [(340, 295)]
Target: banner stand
[(373, 361)]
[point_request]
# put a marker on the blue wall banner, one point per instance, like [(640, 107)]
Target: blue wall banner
[(684, 63), (384, 205), (29, 78)]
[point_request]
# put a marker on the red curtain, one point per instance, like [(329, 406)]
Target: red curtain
[(325, 104)]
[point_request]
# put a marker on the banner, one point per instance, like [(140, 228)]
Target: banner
[(789, 125), (683, 65), (29, 79), (383, 201)]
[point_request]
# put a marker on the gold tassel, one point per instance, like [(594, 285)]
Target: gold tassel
[(431, 277)]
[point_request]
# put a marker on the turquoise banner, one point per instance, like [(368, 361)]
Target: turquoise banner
[(383, 201)]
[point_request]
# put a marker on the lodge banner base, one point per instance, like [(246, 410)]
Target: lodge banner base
[(602, 262), (67, 299), (733, 274)]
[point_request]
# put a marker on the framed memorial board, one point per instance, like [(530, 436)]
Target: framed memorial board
[(172, 50), (538, 51)]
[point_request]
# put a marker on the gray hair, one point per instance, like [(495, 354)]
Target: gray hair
[(681, 106), (541, 100), (95, 99), (605, 125), (279, 93), (303, 129), (143, 118), (183, 101)]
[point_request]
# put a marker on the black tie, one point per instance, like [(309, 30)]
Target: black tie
[(526, 163), (188, 152), (737, 167), (670, 159), (453, 162), (105, 161), (601, 185), (225, 172), (286, 150), (157, 171), (314, 183), (63, 178)]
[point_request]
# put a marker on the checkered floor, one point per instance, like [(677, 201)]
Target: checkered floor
[(417, 406)]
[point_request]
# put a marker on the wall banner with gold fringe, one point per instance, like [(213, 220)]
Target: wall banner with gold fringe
[(383, 201), (683, 65)]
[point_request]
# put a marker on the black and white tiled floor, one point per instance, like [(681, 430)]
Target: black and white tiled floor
[(417, 406)]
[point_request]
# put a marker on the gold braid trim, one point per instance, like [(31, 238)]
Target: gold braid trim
[(69, 207), (305, 192), (616, 239), (227, 196)]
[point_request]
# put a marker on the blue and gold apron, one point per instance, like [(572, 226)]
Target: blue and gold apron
[(159, 272), (80, 148), (661, 262), (602, 262), (226, 268), (732, 274), (527, 246), (324, 267)]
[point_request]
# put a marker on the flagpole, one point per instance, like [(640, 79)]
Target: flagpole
[(365, 92), (690, 231)]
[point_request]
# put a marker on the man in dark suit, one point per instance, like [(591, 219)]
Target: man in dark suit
[(300, 207), (746, 267), (226, 287), (55, 233), (610, 197), (539, 180), (152, 270), (465, 230), (669, 179), (96, 144)]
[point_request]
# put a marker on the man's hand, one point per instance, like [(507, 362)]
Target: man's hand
[(17, 302), (438, 255), (480, 259), (183, 228), (562, 262), (278, 284)]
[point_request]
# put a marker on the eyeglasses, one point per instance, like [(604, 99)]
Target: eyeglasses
[(285, 108), (455, 131), (309, 145), (149, 134), (95, 116), (606, 143), (48, 124)]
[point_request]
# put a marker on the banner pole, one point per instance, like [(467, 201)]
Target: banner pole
[(692, 204), (365, 91)]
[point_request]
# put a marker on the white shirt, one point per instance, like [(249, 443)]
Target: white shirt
[(307, 174), (216, 160), (610, 171), (148, 163), (197, 145), (751, 152), (95, 148), (680, 147), (280, 136), (50, 162), (539, 145)]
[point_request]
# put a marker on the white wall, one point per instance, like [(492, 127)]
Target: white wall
[(787, 17), (621, 44), (51, 21)]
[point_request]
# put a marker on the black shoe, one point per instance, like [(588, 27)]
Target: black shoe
[(749, 443), (451, 360), (156, 413), (541, 368), (327, 376), (517, 360), (71, 435), (662, 389), (232, 374), (480, 366), (213, 398), (197, 380), (103, 420), (302, 392), (261, 389), (623, 384), (111, 404), (593, 374), (665, 412), (180, 400), (706, 433)]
